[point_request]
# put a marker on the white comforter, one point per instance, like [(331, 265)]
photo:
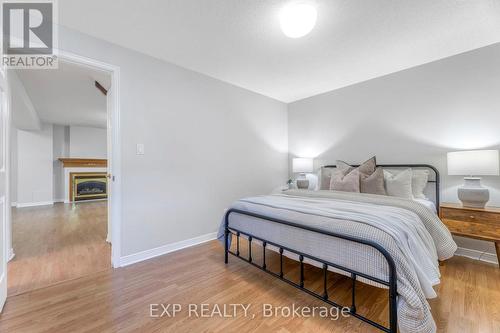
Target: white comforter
[(410, 232)]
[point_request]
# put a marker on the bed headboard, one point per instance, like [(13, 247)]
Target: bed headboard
[(432, 190)]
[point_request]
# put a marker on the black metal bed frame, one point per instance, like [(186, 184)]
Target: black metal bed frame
[(436, 180), (391, 284)]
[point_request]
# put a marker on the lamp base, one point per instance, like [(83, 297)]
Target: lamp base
[(472, 194), (302, 182)]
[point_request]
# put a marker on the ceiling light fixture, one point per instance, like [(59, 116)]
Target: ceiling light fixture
[(297, 19)]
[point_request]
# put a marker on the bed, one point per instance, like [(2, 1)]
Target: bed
[(384, 241)]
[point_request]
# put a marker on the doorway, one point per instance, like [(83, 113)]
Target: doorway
[(66, 239)]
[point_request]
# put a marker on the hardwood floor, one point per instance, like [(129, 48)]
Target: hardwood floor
[(57, 243), (119, 300)]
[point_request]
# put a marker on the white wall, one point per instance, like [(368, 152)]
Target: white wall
[(87, 142), (24, 115), (84, 142), (207, 143), (35, 166), (77, 142), (413, 116)]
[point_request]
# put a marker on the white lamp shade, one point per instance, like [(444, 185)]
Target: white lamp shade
[(473, 163), (302, 165)]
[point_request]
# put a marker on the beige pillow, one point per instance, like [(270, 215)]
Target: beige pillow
[(367, 167), (374, 183), (371, 177), (340, 181), (344, 167)]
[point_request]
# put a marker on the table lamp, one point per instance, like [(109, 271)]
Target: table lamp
[(302, 166), (473, 163)]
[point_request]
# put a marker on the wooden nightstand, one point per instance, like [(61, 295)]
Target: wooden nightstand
[(478, 223)]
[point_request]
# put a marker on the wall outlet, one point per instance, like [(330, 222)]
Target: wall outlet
[(140, 149)]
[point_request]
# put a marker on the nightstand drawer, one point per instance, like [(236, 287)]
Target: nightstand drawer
[(478, 223), (484, 231), (470, 216)]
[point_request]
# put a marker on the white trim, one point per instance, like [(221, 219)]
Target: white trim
[(148, 254), (10, 254), (477, 255), (115, 199), (34, 204), (114, 157), (3, 290), (6, 240), (13, 204)]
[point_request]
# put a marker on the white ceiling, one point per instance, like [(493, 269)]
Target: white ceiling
[(240, 42), (67, 95)]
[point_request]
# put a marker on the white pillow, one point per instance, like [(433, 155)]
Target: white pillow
[(399, 184), (419, 183)]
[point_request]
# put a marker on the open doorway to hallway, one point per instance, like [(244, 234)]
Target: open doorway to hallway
[(59, 184)]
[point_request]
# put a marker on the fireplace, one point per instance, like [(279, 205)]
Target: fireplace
[(88, 186)]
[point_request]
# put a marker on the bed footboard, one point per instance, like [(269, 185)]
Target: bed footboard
[(391, 284)]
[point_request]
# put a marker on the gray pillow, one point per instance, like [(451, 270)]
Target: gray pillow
[(373, 183), (367, 167), (346, 182), (371, 177)]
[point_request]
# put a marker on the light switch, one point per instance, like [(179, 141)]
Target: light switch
[(140, 149)]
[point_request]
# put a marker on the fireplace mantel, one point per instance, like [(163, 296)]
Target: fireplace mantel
[(84, 162)]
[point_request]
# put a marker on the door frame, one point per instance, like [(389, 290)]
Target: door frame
[(114, 154), (114, 148), (5, 200)]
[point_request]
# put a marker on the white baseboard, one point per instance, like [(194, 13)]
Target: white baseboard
[(477, 255), (13, 204), (58, 200), (148, 254), (33, 204)]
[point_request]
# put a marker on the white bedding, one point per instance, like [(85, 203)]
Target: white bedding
[(407, 229), (427, 203)]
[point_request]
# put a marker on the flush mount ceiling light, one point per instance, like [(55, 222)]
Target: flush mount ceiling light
[(297, 19)]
